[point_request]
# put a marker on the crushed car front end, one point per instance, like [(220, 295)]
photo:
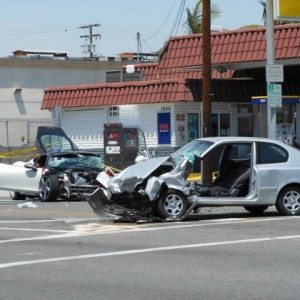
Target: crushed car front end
[(153, 188)]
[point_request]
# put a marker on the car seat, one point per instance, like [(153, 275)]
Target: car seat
[(231, 182)]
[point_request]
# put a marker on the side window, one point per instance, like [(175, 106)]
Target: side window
[(238, 151), (268, 153)]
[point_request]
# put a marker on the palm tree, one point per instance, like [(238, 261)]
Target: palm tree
[(193, 21)]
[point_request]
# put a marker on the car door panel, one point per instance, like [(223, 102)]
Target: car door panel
[(19, 178)]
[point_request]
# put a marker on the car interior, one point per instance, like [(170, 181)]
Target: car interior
[(233, 169)]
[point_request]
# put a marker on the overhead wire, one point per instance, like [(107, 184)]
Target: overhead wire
[(163, 24), (178, 18), (145, 42)]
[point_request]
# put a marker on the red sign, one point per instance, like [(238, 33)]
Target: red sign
[(113, 135), (163, 127)]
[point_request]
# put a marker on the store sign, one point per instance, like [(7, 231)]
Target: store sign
[(287, 10), (180, 117)]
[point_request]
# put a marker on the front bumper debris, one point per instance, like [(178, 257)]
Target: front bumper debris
[(105, 208)]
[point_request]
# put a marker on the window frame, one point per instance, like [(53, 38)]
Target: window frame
[(114, 111)]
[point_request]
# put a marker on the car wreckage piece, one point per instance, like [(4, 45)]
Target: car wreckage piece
[(134, 193), (60, 170)]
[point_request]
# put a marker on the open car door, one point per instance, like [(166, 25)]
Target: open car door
[(21, 178), (53, 139)]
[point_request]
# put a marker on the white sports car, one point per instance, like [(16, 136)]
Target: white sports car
[(61, 170), (219, 171)]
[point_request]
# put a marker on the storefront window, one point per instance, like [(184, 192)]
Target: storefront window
[(215, 124), (193, 126), (220, 124), (224, 124)]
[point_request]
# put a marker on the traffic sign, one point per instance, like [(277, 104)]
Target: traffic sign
[(275, 95), (274, 73)]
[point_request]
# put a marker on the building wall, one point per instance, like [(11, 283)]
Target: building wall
[(85, 127), (22, 87)]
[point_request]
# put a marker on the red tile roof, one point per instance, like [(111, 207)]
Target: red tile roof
[(228, 47), (139, 92), (181, 59)]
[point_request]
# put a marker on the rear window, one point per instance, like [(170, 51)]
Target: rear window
[(268, 153)]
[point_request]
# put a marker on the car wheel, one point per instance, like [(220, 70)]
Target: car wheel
[(288, 201), (172, 204), (16, 195), (256, 209), (49, 188)]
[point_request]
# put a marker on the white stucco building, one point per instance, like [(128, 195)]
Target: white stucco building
[(23, 80)]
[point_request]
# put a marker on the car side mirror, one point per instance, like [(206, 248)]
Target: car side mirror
[(31, 166)]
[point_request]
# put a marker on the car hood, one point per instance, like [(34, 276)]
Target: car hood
[(51, 139), (128, 179)]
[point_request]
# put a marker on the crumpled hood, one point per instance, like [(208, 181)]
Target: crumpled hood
[(128, 179)]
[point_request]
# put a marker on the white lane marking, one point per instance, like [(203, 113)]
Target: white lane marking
[(115, 229), (34, 229), (145, 250), (28, 221), (56, 220)]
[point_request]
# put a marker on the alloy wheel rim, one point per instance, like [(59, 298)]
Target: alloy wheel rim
[(45, 188), (291, 201), (173, 205)]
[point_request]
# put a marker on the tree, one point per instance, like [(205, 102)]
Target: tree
[(193, 21)]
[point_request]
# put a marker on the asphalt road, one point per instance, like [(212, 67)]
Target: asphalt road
[(62, 250)]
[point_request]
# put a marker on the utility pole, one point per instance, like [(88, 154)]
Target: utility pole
[(89, 46), (206, 69), (138, 38), (271, 111)]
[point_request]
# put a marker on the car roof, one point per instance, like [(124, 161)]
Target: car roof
[(240, 139)]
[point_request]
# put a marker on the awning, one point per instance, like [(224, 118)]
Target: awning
[(285, 100)]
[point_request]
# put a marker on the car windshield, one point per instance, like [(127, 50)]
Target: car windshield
[(75, 160), (190, 150)]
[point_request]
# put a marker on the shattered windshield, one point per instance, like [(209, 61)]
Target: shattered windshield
[(75, 160), (189, 151)]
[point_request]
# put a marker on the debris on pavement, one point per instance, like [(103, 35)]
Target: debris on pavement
[(28, 204)]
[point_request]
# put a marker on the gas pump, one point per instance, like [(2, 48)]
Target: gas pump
[(123, 145)]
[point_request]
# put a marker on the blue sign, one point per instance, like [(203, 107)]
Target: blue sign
[(164, 128)]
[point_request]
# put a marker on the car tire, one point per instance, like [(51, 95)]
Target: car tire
[(16, 195), (171, 205), (256, 209), (49, 188), (288, 201)]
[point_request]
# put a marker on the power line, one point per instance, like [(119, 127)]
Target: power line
[(163, 24), (89, 46), (144, 41), (178, 18)]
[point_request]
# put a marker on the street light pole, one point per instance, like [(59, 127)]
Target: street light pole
[(271, 111)]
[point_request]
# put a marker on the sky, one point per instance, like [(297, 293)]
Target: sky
[(52, 25)]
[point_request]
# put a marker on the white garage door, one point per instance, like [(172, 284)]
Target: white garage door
[(85, 127)]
